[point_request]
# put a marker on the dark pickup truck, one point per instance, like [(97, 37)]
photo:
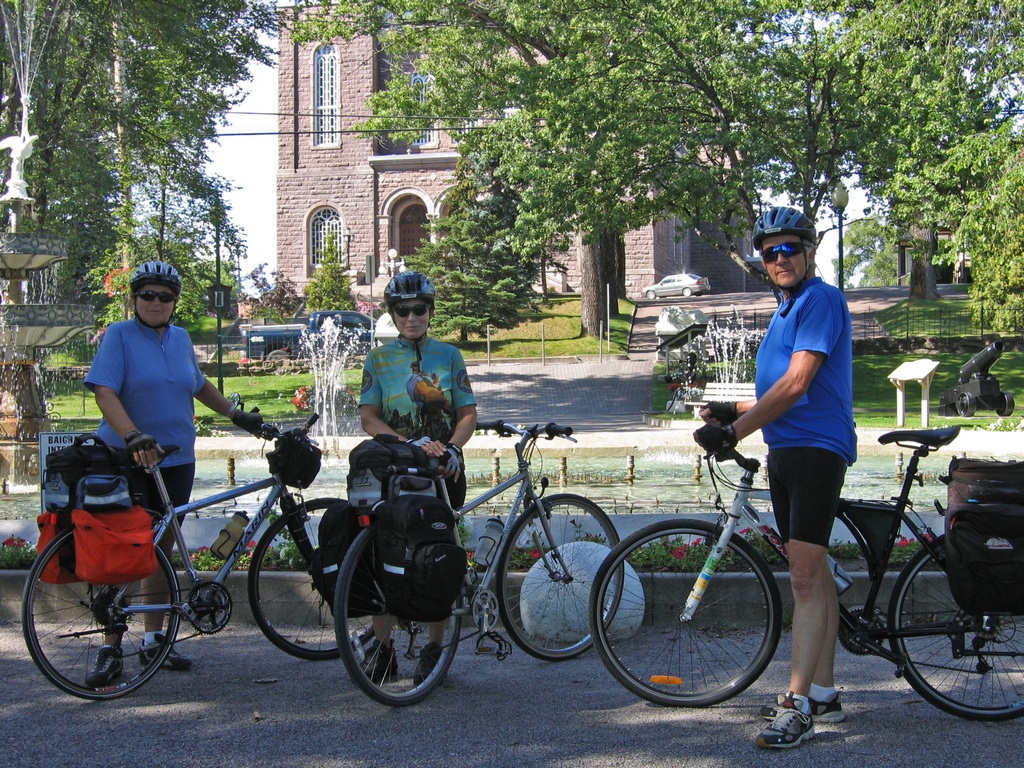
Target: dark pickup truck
[(284, 341)]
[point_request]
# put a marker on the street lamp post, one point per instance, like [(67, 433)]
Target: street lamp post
[(840, 199), (217, 216)]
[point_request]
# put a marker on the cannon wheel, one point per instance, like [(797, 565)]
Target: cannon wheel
[(966, 404), (1007, 408)]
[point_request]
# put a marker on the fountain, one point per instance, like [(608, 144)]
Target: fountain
[(732, 348), (328, 351), (27, 328)]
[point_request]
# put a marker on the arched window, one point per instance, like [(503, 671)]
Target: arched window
[(326, 98), (324, 223), (421, 84), (412, 229)]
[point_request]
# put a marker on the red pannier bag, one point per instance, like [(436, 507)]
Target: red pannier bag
[(114, 547), (60, 570)]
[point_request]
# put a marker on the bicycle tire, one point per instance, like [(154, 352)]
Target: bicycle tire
[(545, 609), (968, 671), (358, 598), (65, 625), (285, 603), (634, 615)]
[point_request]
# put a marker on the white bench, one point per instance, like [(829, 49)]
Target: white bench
[(716, 391)]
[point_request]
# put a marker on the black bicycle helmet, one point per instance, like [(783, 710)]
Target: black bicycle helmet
[(784, 221), (156, 273), (409, 285)]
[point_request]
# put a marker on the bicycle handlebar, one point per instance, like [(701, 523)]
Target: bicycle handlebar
[(549, 431)]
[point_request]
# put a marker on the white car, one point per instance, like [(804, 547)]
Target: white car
[(678, 285)]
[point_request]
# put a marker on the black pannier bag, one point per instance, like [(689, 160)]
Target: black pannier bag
[(368, 462), (423, 565), (337, 530), (90, 457), (984, 547), (984, 481), (295, 459)]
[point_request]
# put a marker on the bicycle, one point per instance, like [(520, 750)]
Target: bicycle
[(704, 631), (65, 624), (561, 537)]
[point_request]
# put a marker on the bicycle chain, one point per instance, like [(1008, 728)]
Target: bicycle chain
[(210, 604)]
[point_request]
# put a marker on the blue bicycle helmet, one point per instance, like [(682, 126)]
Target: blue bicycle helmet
[(156, 273), (784, 221), (409, 285)]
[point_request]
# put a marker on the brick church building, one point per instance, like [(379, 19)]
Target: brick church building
[(378, 199)]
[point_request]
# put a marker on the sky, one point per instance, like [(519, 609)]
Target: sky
[(250, 164)]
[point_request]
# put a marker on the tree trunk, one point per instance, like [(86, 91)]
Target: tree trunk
[(922, 271), (591, 288)]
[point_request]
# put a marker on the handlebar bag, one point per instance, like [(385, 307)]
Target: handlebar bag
[(104, 493), (114, 547), (984, 548), (295, 459), (422, 565), (984, 481), (368, 466)]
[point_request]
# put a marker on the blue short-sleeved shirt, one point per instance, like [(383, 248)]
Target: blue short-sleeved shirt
[(156, 380), (816, 319), (418, 395)]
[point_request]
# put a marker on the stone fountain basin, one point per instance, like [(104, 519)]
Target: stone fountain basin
[(42, 325), (23, 252)]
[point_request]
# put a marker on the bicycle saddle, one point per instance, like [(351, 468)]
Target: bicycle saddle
[(926, 438)]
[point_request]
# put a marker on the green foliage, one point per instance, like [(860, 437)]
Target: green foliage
[(16, 554), (869, 253), (329, 286), (481, 277), (277, 300)]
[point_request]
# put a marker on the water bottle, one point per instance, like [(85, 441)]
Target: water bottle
[(843, 580), (229, 535), (488, 543)]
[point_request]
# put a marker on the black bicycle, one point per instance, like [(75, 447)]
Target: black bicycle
[(703, 630)]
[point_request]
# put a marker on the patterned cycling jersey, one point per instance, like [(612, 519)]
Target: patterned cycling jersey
[(418, 394)]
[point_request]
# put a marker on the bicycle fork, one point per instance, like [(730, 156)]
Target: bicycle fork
[(710, 567)]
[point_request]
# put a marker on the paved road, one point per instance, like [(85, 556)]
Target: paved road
[(245, 703)]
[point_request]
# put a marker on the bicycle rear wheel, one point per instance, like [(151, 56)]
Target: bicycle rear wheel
[(66, 624), (359, 603), (544, 609), (639, 593), (285, 603), (969, 666)]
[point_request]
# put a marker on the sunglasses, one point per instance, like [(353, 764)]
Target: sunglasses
[(417, 309), (165, 298), (789, 250)]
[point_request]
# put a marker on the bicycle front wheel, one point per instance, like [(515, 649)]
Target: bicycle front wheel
[(66, 624), (635, 608), (545, 570), (969, 666), (395, 673), (285, 602)]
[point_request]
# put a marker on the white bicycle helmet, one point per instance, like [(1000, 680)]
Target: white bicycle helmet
[(156, 273)]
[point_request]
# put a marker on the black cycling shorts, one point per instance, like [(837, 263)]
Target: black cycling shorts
[(805, 484)]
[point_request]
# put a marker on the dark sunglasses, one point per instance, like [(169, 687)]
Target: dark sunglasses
[(417, 309), (165, 298), (789, 250)]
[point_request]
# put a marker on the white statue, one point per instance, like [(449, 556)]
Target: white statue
[(20, 148)]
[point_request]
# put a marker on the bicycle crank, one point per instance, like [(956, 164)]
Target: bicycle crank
[(210, 605)]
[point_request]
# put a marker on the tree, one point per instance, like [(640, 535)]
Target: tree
[(481, 277), (608, 117), (127, 100), (275, 298), (869, 253), (329, 286)]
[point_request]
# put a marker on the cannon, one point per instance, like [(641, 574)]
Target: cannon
[(977, 388)]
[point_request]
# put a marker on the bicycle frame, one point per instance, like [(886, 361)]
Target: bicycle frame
[(850, 513)]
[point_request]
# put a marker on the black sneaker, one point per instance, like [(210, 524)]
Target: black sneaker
[(429, 656), (174, 661), (789, 729), (108, 666), (381, 664), (821, 711)]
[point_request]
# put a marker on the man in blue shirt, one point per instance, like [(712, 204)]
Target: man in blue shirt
[(804, 408)]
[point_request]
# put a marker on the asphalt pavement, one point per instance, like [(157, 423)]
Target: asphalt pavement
[(245, 703)]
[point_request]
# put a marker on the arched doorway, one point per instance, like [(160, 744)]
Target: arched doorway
[(412, 229)]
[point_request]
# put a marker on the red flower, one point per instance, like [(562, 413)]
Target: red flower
[(535, 554), (679, 553)]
